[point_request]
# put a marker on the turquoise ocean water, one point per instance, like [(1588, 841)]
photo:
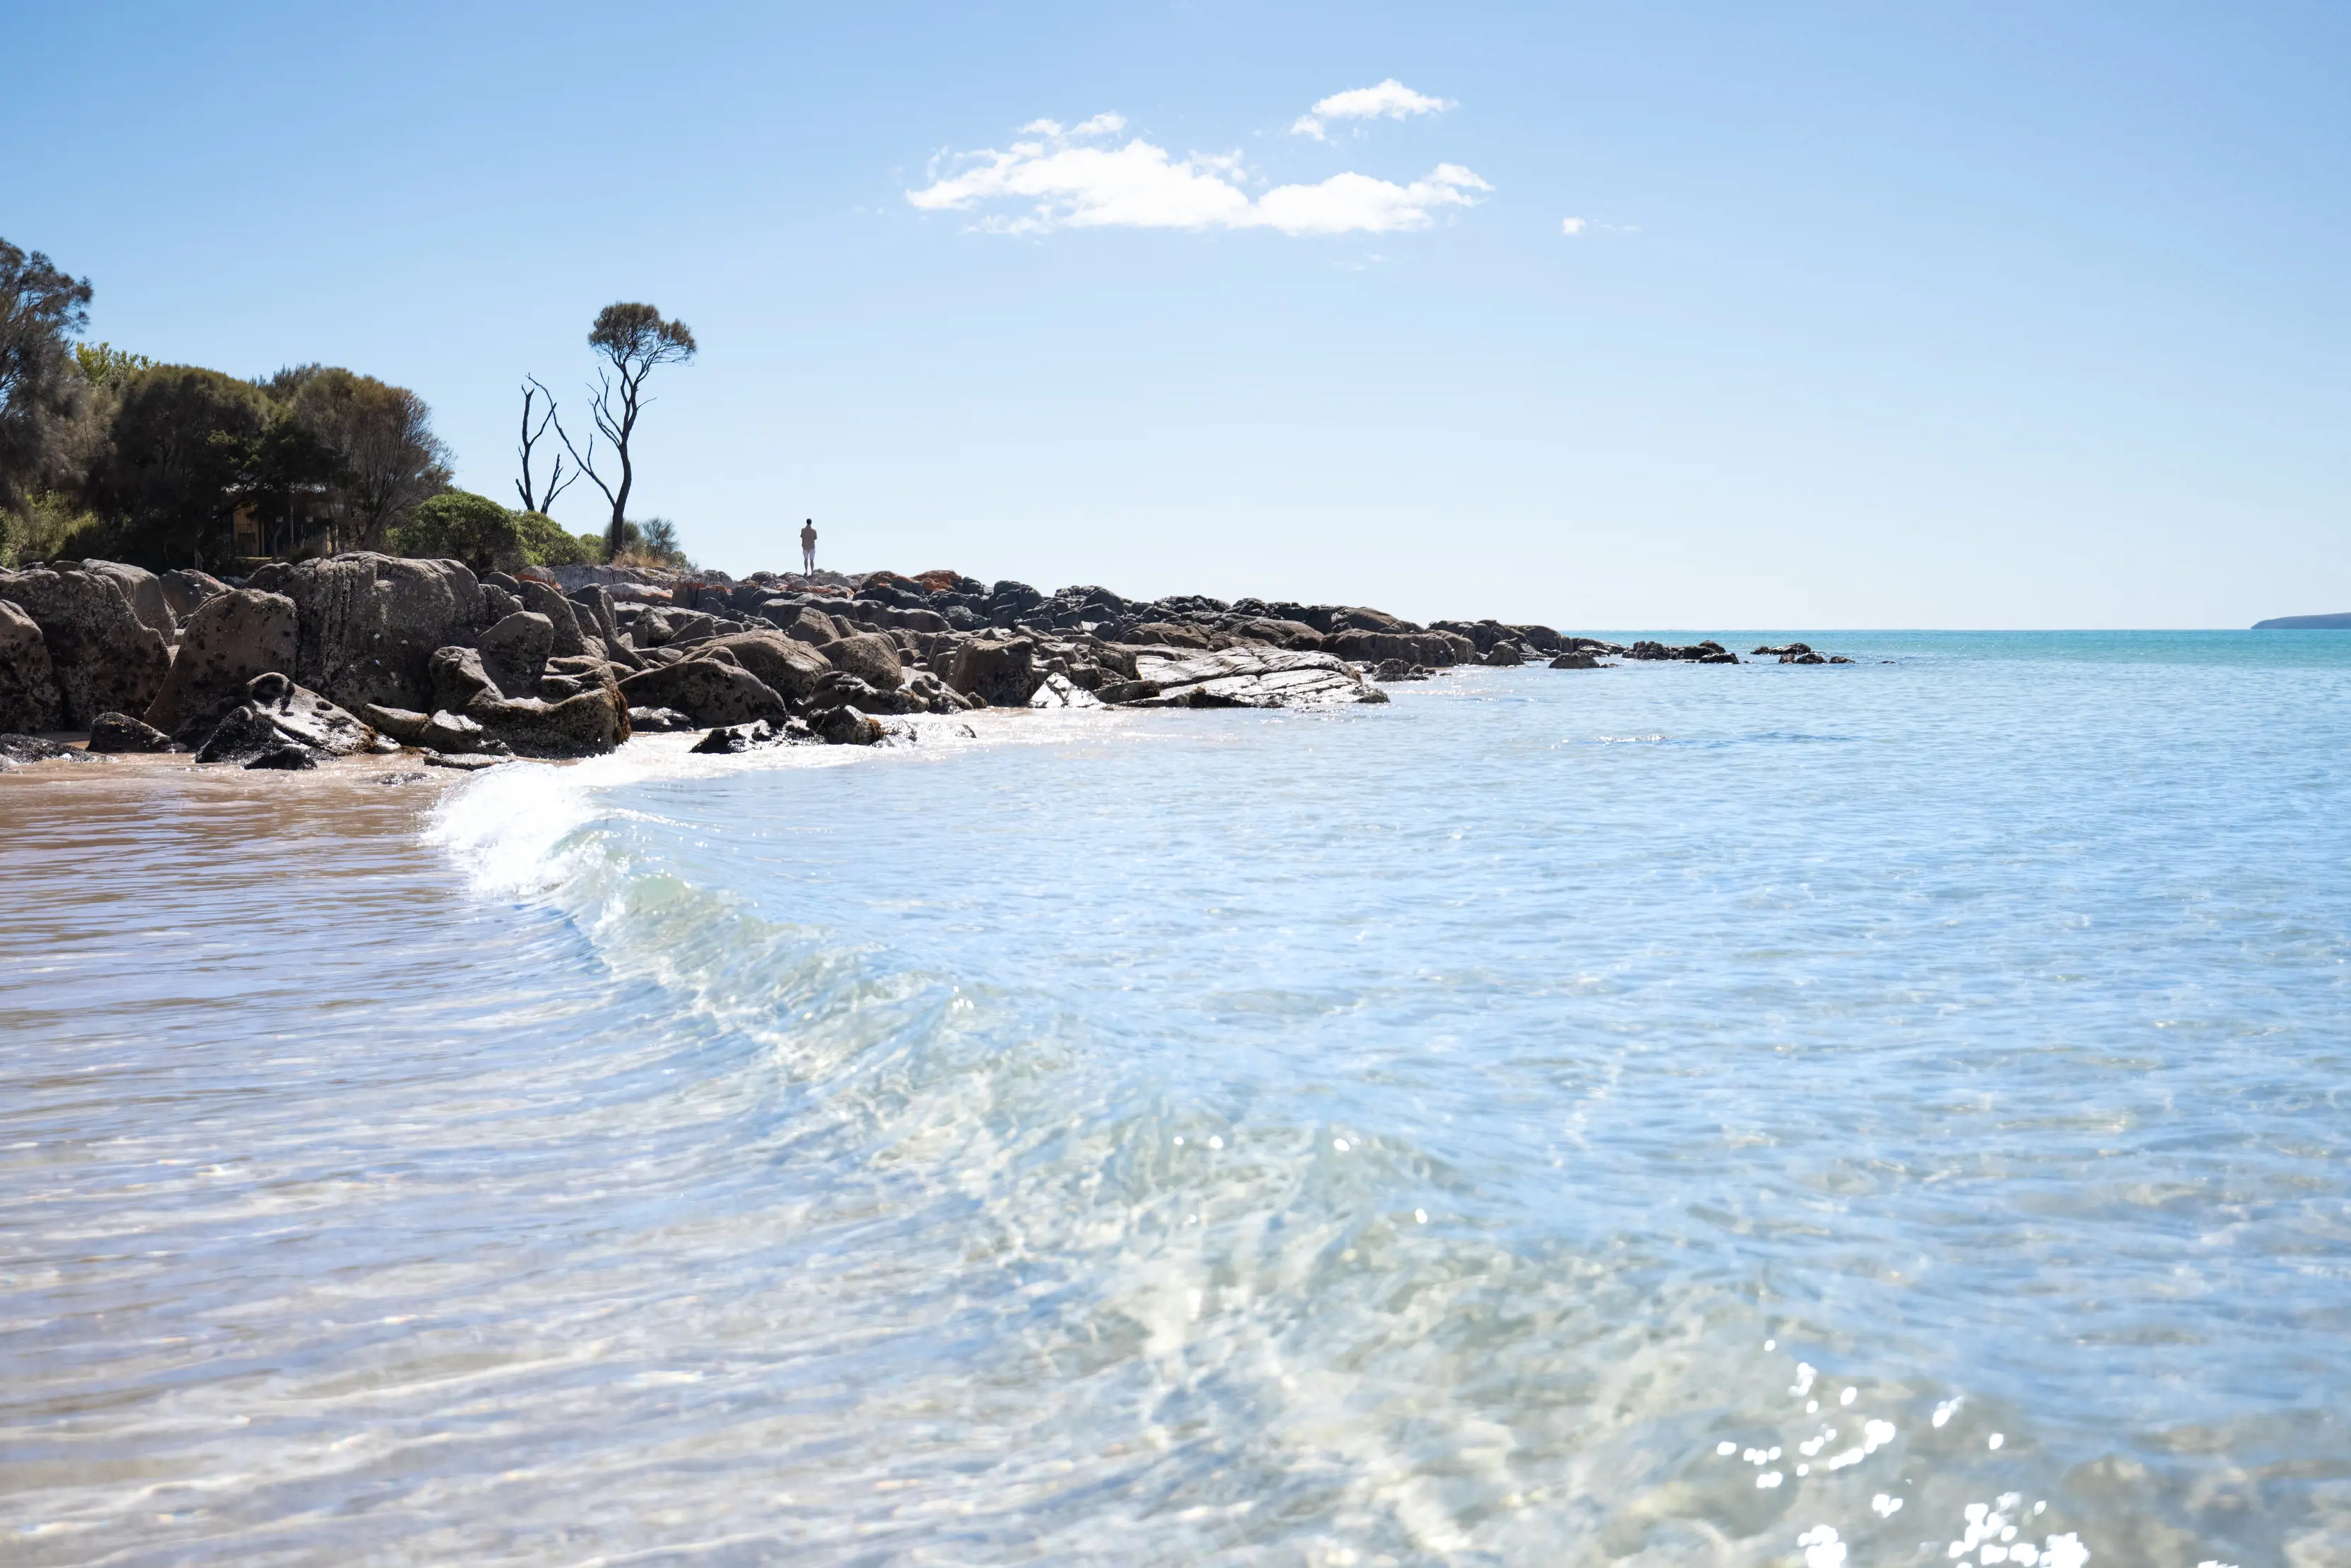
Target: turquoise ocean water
[(1873, 1114)]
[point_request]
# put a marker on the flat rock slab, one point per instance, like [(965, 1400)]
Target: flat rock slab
[(1243, 677)]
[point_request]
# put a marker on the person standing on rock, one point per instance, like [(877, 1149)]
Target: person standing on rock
[(808, 547)]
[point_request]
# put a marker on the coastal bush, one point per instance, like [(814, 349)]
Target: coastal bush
[(545, 543), (459, 524), (48, 527), (652, 542)]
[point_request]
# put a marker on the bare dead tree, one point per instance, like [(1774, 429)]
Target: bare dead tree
[(633, 340), (556, 483)]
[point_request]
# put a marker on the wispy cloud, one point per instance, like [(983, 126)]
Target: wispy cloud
[(1389, 101), (1570, 227), (1076, 179)]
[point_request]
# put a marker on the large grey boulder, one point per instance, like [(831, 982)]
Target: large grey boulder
[(708, 691), (1243, 677), (1000, 672), (183, 590), (515, 650), (871, 657), (104, 659), (595, 603), (230, 638), (1366, 646), (145, 591), (585, 725), (370, 624), (562, 616), (578, 725), (28, 685), (787, 667)]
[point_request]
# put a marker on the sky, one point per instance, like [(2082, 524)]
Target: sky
[(1627, 315)]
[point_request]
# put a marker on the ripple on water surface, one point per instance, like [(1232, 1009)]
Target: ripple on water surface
[(1882, 1115)]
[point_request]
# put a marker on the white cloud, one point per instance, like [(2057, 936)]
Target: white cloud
[(1570, 226), (1389, 101), (1065, 185)]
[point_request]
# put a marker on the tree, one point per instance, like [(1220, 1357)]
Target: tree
[(41, 308), (556, 483), (633, 340), (185, 448), (382, 438)]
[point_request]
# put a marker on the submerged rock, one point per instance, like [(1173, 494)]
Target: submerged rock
[(1577, 661), (120, 732)]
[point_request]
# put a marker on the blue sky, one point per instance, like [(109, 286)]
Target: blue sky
[(1999, 315)]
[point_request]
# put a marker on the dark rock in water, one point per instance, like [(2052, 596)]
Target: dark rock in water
[(1369, 645), (306, 718), (658, 721), (439, 731), (102, 657), (1806, 658), (1577, 661), (16, 750), (739, 738), (1243, 677), (1783, 652), (285, 756), (473, 764), (785, 665), (710, 691), (246, 733), (404, 778), (1706, 653), (584, 726), (1839, 659), (2337, 622), (276, 711), (845, 726), (1390, 670), (871, 657), (1002, 672), (1504, 655), (231, 637), (515, 650), (120, 732), (28, 685)]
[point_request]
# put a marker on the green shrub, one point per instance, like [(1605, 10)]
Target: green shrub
[(544, 542), (459, 524), (49, 528)]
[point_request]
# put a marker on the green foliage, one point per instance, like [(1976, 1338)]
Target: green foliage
[(48, 527), (104, 365), (185, 448), (459, 524), (41, 308), (652, 542), (545, 543)]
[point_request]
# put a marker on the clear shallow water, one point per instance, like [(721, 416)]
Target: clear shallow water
[(727, 1161)]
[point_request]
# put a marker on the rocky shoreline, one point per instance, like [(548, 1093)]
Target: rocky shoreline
[(366, 654)]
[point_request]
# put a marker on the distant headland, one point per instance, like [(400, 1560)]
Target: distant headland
[(2338, 622)]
